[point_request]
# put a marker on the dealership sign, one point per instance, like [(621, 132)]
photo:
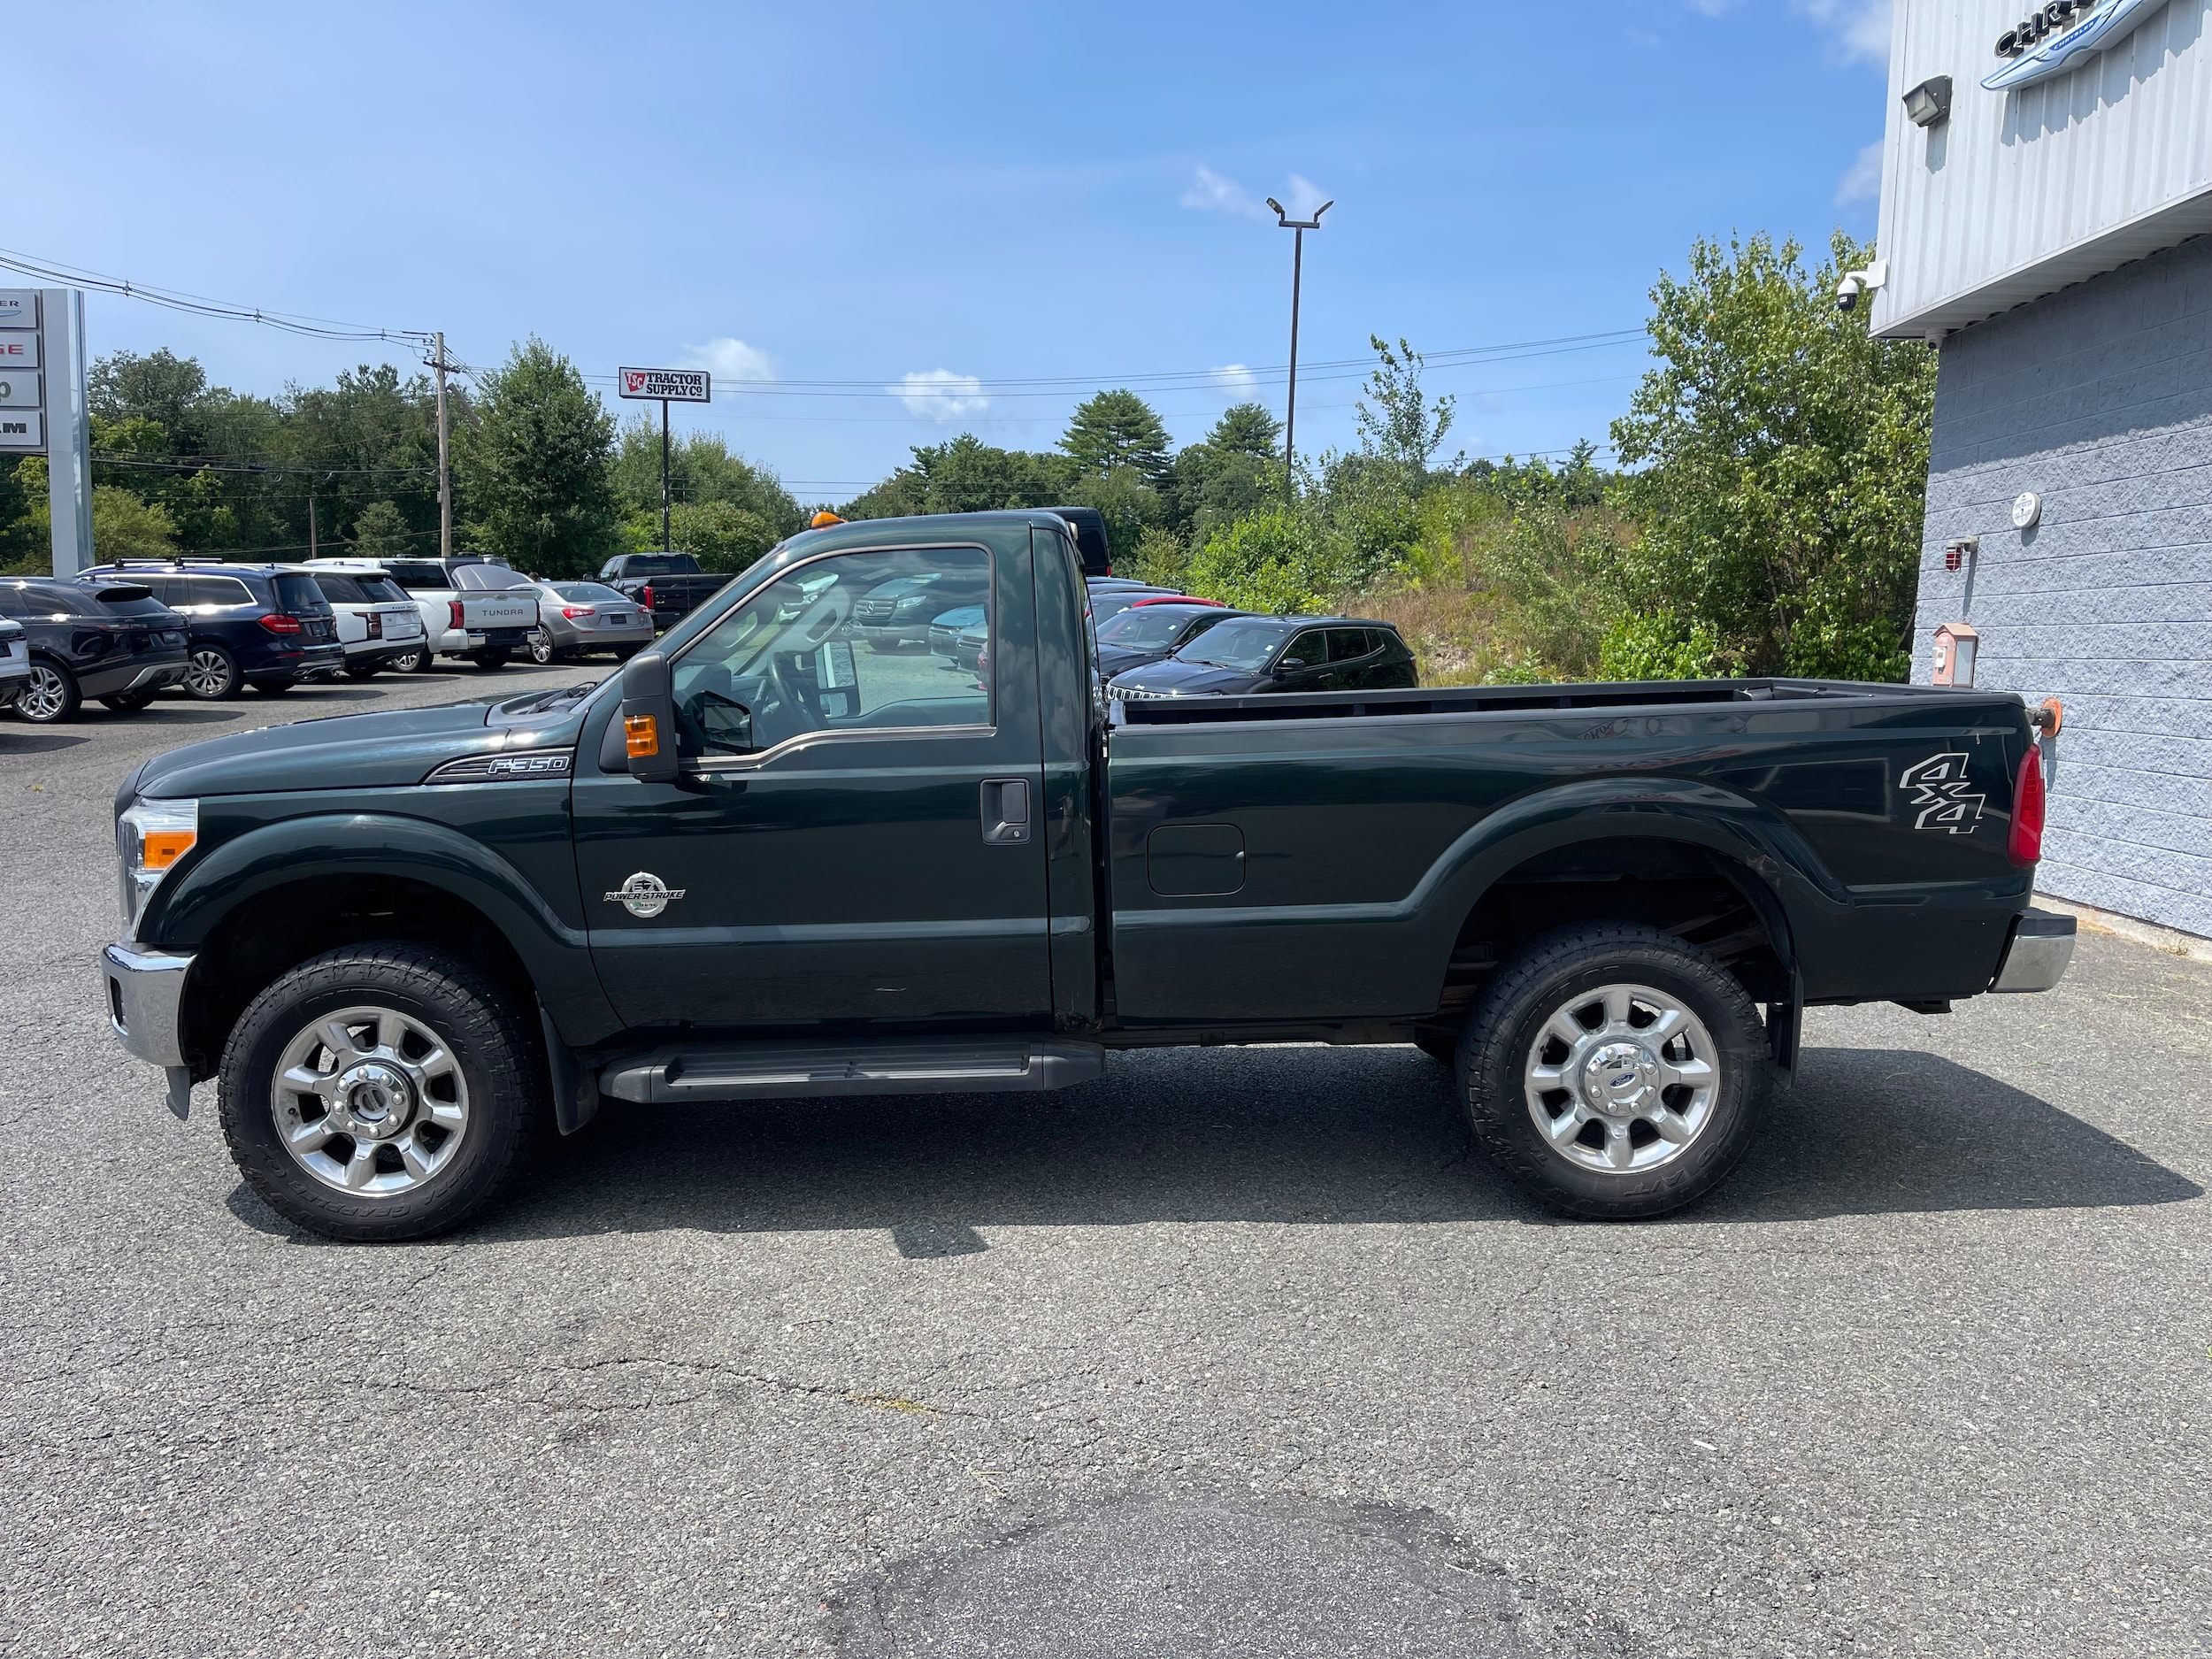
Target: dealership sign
[(678, 385), (2055, 39)]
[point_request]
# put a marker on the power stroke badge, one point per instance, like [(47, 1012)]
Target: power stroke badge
[(1941, 790), (644, 894)]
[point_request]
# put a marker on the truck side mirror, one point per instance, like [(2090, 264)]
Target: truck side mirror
[(648, 717)]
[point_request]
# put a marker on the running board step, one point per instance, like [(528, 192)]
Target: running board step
[(765, 1071)]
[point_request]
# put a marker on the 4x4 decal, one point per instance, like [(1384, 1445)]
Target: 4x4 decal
[(1941, 790)]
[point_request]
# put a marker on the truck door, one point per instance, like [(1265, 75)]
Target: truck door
[(855, 835)]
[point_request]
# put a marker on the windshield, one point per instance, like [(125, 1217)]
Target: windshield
[(1235, 645), (587, 594), (383, 589), (298, 595), (1113, 600), (1144, 627), (424, 577)]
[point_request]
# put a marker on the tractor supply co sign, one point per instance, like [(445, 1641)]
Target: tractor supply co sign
[(22, 387), (677, 386)]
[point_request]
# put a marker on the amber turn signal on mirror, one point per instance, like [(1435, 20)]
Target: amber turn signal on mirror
[(641, 735)]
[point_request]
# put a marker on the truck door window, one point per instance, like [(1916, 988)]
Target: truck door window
[(796, 657)]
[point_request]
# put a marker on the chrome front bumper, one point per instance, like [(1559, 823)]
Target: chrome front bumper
[(145, 994), (2035, 957)]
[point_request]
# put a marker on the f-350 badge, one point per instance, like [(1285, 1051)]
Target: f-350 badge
[(644, 894), (1939, 786)]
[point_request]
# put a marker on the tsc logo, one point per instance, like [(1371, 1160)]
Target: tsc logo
[(1941, 791)]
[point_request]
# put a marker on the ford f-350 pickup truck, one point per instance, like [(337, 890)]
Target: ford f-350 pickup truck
[(761, 863)]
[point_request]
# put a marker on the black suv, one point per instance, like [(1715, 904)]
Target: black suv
[(116, 642), (262, 625)]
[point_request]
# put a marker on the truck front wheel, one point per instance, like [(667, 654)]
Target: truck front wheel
[(1615, 1071), (380, 1092)]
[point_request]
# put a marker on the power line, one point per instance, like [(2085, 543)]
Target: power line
[(199, 305), (199, 464)]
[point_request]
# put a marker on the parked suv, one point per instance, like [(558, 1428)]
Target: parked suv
[(116, 643), (1248, 656), (378, 624), (264, 626), (15, 660)]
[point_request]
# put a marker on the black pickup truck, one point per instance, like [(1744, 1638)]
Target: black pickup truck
[(761, 863), (669, 586)]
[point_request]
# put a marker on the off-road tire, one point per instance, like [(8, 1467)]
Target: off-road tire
[(497, 1052), (1508, 1018)]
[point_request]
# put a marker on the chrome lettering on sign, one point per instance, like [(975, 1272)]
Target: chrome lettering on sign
[(1941, 790), (644, 894)]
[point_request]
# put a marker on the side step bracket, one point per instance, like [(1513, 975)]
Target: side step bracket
[(775, 1070)]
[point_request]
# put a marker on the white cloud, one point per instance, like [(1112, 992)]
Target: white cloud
[(1861, 27), (940, 395), (732, 359), (1863, 182), (1211, 191), (1208, 190), (1239, 383)]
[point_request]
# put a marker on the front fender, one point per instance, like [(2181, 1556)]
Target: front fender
[(185, 910)]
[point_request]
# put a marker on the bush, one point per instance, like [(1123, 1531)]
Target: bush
[(1263, 563)]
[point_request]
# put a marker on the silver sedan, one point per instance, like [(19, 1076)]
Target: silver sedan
[(576, 618)]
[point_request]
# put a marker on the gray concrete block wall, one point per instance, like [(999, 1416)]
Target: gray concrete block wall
[(2098, 398)]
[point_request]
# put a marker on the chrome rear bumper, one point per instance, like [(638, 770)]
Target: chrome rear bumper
[(2035, 957)]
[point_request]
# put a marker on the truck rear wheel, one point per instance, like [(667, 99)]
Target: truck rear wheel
[(380, 1092), (1614, 1070)]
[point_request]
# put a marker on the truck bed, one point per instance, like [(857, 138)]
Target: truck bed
[(1346, 837)]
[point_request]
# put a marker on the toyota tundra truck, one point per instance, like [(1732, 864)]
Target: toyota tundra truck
[(760, 863)]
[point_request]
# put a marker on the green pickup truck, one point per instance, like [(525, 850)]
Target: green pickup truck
[(764, 864)]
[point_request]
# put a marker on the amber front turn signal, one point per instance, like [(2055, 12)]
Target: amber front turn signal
[(160, 848), (641, 735)]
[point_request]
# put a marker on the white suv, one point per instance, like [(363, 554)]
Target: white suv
[(378, 624)]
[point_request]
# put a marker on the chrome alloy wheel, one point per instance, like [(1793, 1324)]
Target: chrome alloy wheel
[(44, 694), (207, 674), (541, 646), (1622, 1078), (369, 1100)]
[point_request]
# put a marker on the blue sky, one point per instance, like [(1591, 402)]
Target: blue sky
[(973, 194)]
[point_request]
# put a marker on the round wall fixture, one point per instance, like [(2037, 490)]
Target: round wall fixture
[(2027, 509)]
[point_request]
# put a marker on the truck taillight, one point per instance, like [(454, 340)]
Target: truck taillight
[(277, 622), (645, 597), (2026, 844), (457, 621)]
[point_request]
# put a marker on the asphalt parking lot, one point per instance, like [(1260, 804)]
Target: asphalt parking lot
[(1234, 1352)]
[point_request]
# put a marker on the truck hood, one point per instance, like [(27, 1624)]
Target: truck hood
[(347, 751)]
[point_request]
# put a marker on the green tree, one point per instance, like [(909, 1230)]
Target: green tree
[(1396, 421), (723, 536), (381, 532), (125, 528), (967, 475), (701, 468), (536, 466), (1231, 471), (1264, 563), (1785, 460), (1117, 430)]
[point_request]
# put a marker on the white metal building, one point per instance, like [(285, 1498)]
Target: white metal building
[(2046, 219)]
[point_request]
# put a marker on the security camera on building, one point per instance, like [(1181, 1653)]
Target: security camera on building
[(1857, 282)]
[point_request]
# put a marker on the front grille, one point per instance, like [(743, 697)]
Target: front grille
[(874, 612), (1133, 694)]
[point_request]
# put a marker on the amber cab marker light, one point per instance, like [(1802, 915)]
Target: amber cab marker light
[(823, 519), (163, 848), (641, 735)]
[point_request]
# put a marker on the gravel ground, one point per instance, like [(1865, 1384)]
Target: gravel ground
[(1236, 1351)]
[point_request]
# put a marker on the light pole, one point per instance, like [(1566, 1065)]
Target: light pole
[(1298, 227)]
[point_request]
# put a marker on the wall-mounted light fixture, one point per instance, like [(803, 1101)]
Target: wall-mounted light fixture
[(1929, 102), (1959, 550)]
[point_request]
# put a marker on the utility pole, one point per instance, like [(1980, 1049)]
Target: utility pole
[(665, 542), (445, 477), (311, 524), (1298, 227)]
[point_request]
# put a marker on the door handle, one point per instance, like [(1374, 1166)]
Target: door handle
[(1005, 811)]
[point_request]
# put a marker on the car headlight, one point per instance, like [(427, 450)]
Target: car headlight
[(151, 837)]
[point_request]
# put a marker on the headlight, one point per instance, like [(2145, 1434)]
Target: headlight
[(149, 838)]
